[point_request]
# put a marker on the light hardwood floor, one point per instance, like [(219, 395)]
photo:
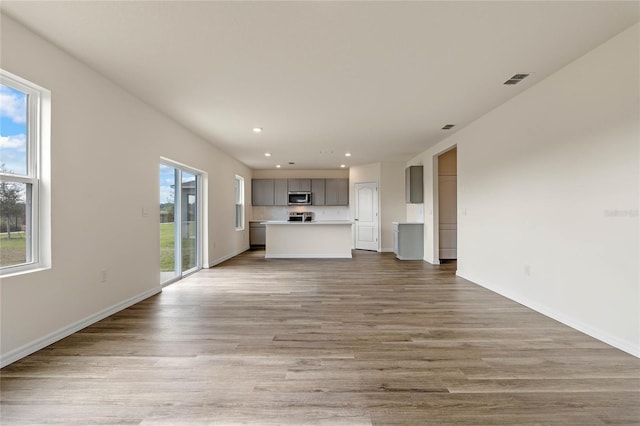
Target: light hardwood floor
[(365, 341)]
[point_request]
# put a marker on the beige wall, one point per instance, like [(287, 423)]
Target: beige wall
[(300, 174), (391, 203), (362, 174), (106, 148), (548, 195)]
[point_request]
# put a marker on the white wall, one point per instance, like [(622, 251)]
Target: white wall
[(427, 211), (391, 203), (300, 174), (362, 174), (106, 147), (548, 195)]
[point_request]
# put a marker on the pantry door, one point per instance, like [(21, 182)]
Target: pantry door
[(366, 216)]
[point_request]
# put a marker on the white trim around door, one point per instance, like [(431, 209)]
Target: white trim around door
[(366, 216)]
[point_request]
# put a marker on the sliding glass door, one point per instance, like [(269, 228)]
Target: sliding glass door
[(179, 222), (168, 270), (189, 221)]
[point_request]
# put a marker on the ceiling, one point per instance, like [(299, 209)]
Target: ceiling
[(376, 79)]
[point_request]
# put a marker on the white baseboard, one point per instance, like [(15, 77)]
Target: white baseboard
[(598, 334), (219, 260), (308, 256), (21, 352), (387, 250), (431, 261)]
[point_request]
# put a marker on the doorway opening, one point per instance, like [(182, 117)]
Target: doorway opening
[(180, 222), (447, 209)]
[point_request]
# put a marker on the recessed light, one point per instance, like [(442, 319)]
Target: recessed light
[(347, 154), (257, 129), (278, 166), (267, 154), (343, 165)]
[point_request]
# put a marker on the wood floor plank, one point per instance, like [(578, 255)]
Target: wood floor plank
[(363, 341)]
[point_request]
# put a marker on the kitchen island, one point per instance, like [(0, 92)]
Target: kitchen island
[(308, 240)]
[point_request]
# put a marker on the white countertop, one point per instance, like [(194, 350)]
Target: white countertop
[(315, 222)]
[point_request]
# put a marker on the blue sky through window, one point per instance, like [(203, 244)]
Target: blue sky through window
[(13, 130), (167, 184)]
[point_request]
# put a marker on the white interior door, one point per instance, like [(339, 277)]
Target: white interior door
[(366, 216)]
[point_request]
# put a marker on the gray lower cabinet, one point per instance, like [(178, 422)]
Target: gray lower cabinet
[(257, 234), (317, 192), (408, 240), (262, 192), (337, 192)]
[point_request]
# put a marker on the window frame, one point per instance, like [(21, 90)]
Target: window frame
[(239, 203), (38, 173)]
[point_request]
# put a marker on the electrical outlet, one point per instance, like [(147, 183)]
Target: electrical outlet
[(103, 276), (527, 270)]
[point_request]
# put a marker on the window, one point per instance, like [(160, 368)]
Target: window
[(239, 203), (24, 175)]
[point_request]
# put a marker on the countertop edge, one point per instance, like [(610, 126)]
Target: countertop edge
[(316, 223)]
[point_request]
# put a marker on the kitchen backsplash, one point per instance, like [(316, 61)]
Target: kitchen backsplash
[(282, 213), (415, 213)]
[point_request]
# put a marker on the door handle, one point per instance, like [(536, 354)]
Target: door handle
[(356, 220)]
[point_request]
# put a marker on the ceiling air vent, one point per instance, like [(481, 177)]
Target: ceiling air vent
[(448, 126), (517, 78)]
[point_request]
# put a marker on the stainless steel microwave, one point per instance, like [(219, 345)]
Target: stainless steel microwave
[(301, 198)]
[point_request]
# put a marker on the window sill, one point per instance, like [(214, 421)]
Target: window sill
[(22, 270)]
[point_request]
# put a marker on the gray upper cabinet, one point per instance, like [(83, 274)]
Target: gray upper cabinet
[(337, 192), (262, 192), (317, 192), (413, 185), (281, 197), (324, 192), (296, 185)]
